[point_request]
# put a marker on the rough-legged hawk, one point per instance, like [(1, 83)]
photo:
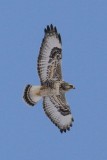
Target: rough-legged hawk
[(53, 87)]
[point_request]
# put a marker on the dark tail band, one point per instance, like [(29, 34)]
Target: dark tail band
[(26, 95)]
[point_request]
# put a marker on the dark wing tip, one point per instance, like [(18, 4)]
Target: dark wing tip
[(64, 130), (51, 26), (52, 29), (72, 119), (49, 29), (71, 125), (55, 29), (59, 36)]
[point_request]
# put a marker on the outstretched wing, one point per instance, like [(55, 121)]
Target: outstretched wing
[(58, 111), (49, 59)]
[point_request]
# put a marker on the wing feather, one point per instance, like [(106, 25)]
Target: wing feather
[(58, 111), (50, 55)]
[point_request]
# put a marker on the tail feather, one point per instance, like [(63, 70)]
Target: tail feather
[(31, 94)]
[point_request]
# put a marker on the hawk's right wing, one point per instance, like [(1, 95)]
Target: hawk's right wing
[(58, 111)]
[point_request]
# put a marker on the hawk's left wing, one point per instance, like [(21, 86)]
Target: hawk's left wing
[(49, 59), (58, 111)]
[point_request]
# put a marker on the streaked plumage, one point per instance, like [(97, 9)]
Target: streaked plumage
[(53, 87)]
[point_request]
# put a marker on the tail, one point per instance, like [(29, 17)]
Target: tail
[(31, 94)]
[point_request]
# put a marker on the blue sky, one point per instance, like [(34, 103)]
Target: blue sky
[(26, 133)]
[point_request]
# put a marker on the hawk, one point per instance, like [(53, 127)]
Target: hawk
[(53, 87)]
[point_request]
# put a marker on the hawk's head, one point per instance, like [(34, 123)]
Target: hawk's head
[(66, 86)]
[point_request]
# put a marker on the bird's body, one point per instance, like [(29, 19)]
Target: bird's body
[(53, 87), (50, 90)]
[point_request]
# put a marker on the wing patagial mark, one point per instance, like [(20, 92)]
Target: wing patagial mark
[(56, 52)]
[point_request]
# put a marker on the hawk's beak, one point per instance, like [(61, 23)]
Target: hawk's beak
[(72, 87)]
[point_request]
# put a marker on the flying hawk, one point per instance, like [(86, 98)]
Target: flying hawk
[(53, 87)]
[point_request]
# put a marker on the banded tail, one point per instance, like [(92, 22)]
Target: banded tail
[(31, 94)]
